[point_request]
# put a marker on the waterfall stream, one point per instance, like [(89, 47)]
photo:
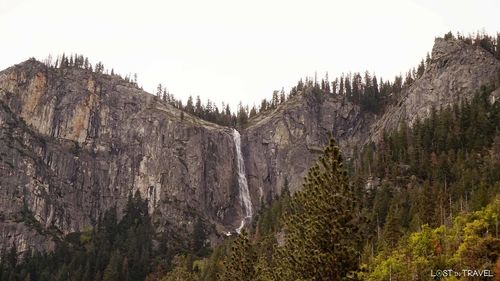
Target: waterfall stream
[(246, 203)]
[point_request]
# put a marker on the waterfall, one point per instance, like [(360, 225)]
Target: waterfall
[(246, 203)]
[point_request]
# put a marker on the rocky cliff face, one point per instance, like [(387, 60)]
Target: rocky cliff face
[(75, 143), (457, 70), (281, 146)]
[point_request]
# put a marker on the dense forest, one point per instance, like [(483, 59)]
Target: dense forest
[(116, 249), (436, 177), (424, 197)]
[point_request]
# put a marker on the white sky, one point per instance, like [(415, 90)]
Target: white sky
[(237, 50)]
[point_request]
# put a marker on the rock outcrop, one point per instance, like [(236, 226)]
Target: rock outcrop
[(281, 146), (457, 70), (74, 143)]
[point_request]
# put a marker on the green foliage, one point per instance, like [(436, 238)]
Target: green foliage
[(180, 274), (239, 265), (214, 265), (428, 179), (321, 228), (182, 271), (198, 238), (269, 220), (431, 171), (319, 240), (481, 39), (472, 242), (111, 251), (426, 176)]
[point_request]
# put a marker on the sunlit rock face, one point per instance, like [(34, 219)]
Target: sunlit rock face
[(73, 144), (76, 143)]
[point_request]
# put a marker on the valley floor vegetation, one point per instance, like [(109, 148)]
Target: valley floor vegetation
[(424, 198)]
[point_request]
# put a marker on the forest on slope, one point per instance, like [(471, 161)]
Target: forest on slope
[(422, 198), (431, 203)]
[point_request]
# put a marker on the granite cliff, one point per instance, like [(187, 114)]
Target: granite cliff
[(281, 146), (74, 143)]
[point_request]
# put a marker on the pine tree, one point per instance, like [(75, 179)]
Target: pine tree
[(180, 274), (497, 52), (253, 112), (199, 236), (448, 36), (392, 229), (282, 95), (428, 205), (164, 95), (99, 67), (85, 63), (321, 228), (275, 100), (263, 105), (242, 117), (239, 265), (335, 85), (356, 87), (427, 60), (112, 272), (159, 90), (198, 110), (347, 86), (421, 69), (397, 85), (189, 105)]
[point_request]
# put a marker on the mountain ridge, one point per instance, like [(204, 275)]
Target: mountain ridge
[(78, 143)]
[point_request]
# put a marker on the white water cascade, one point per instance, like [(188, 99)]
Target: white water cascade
[(246, 203)]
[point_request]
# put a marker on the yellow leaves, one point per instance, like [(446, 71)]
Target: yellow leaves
[(86, 235), (388, 269), (420, 242), (475, 229), (470, 243)]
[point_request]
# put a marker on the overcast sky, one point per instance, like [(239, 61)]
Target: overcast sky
[(237, 50)]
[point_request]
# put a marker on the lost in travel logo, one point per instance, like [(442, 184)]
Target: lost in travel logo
[(442, 273)]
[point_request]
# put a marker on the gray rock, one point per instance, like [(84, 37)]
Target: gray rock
[(457, 71), (74, 144)]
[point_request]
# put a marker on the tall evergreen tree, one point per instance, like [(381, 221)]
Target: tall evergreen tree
[(159, 90), (497, 46), (341, 85), (322, 237), (239, 265), (198, 110)]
